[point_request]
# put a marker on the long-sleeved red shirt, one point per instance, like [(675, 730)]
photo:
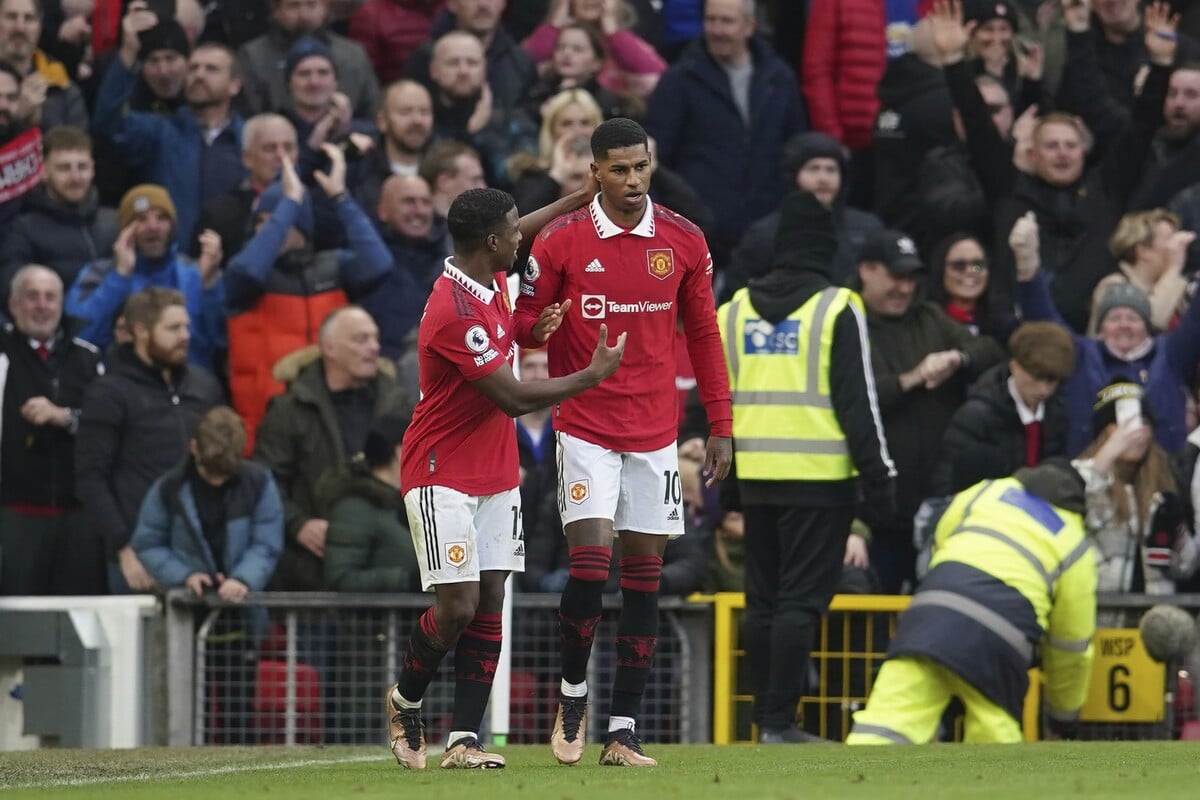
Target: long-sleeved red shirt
[(638, 281)]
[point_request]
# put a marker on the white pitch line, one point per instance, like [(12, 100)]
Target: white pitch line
[(196, 773)]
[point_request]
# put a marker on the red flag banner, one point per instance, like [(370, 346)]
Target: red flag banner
[(20, 164)]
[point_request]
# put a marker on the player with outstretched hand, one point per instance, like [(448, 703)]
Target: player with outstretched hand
[(460, 474)]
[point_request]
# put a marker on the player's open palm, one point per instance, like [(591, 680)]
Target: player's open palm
[(605, 359)]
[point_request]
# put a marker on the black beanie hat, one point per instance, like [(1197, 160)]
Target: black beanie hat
[(166, 35), (981, 11), (805, 240), (804, 147)]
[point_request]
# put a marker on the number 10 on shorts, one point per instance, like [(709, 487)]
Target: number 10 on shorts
[(672, 488)]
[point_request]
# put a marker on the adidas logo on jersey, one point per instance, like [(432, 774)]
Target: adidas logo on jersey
[(673, 516), (499, 331), (594, 266)]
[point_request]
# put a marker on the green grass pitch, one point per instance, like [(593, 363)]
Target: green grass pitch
[(1044, 771)]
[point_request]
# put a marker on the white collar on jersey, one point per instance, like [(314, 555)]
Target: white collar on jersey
[(606, 228), (484, 293)]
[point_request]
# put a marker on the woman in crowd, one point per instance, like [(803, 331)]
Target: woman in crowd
[(1151, 252), (958, 282), (1134, 510), (630, 66), (568, 117), (578, 58)]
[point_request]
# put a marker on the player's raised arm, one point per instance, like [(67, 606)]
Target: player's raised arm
[(533, 222), (515, 397)]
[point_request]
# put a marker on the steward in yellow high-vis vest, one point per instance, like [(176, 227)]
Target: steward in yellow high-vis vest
[(1012, 582), (806, 434)]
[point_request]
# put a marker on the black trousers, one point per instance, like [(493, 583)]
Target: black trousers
[(50, 555), (793, 563)]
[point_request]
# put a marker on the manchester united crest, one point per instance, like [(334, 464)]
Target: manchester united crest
[(660, 263), (456, 553), (578, 492)]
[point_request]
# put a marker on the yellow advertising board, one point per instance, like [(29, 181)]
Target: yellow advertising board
[(1127, 685)]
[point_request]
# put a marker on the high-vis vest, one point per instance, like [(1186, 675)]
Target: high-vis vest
[(784, 427), (1038, 558)]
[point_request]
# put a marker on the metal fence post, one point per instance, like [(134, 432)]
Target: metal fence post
[(180, 672), (289, 714)]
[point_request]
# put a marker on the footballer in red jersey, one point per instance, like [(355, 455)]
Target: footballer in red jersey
[(459, 473), (626, 262)]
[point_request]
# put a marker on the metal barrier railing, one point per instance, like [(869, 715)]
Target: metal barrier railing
[(296, 668), (1131, 696)]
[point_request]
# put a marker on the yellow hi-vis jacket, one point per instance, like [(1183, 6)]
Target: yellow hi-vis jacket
[(784, 427), (1033, 550)]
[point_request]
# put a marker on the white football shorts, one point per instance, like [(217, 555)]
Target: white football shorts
[(639, 492), (458, 535)]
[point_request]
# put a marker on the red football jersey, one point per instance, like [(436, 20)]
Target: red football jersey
[(458, 437), (639, 281)]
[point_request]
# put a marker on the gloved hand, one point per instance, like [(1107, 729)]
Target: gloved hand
[(1167, 526), (878, 506)]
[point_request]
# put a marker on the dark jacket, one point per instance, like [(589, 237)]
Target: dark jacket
[(508, 131), (510, 70), (264, 87), (802, 268), (948, 199), (398, 301), (732, 165), (916, 419), (1097, 79), (300, 439), (133, 428), (37, 463), (368, 547), (914, 117), (366, 177), (986, 439), (230, 216), (752, 257), (1074, 222), (1171, 167), (57, 235), (169, 539)]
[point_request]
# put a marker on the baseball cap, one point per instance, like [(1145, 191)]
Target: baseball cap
[(895, 250)]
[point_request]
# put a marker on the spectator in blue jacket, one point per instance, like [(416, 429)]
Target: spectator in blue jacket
[(196, 152), (1125, 349), (144, 255), (215, 522), (721, 116)]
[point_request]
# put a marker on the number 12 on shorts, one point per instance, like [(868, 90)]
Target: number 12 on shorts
[(518, 533), (672, 488)]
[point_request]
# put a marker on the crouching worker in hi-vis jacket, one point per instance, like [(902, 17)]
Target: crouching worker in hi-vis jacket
[(1012, 579)]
